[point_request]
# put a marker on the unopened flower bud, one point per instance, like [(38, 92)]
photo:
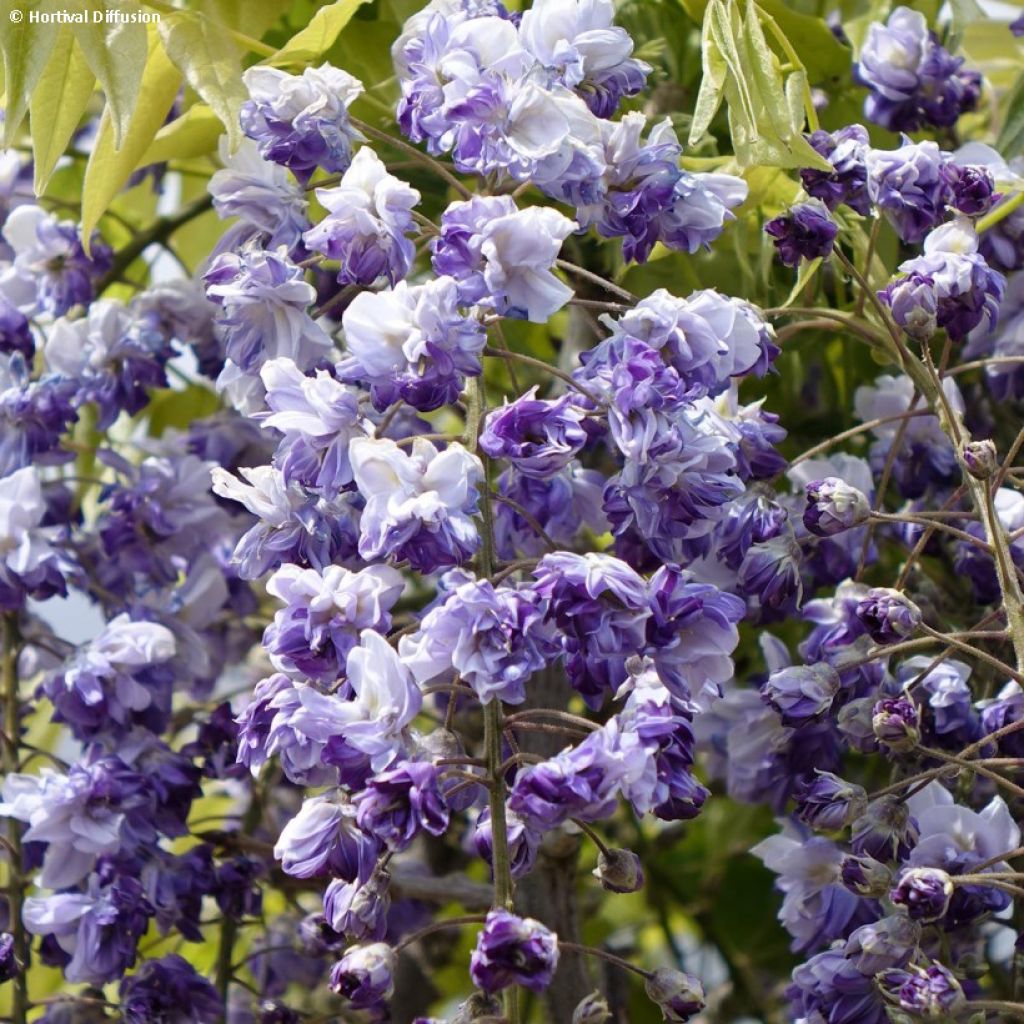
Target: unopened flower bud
[(887, 615), (924, 893), (980, 459), (10, 965), (830, 803), (619, 870), (896, 722), (592, 1009), (679, 996), (833, 506), (866, 876), (926, 993)]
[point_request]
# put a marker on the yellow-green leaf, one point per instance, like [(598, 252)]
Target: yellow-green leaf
[(25, 45), (58, 102), (116, 52), (110, 167), (210, 62), (195, 133), (319, 35)]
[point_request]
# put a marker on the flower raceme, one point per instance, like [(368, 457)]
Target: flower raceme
[(499, 560)]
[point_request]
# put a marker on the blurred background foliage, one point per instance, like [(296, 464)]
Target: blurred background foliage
[(169, 96)]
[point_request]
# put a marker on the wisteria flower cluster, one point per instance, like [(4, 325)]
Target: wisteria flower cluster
[(522, 570)]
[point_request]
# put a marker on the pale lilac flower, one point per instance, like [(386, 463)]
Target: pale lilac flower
[(301, 121), (419, 502), (412, 342), (270, 207), (369, 218)]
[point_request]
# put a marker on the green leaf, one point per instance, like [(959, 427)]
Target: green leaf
[(766, 108), (318, 36), (210, 63), (964, 13), (1011, 135), (26, 47), (116, 52), (820, 52), (111, 166), (195, 133), (58, 102), (712, 84)]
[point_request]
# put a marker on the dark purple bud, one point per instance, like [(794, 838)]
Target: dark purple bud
[(929, 993), (679, 996), (896, 723), (866, 876), (10, 965), (830, 803), (513, 950), (1017, 26), (592, 1009), (924, 893), (974, 188), (833, 506), (619, 870), (981, 459), (886, 830), (364, 976), (887, 615), (807, 231), (801, 693)]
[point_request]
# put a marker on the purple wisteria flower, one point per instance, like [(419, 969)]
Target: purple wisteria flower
[(318, 416), (30, 563), (359, 909), (888, 615), (599, 607), (293, 524), (492, 638), (576, 42), (645, 197), (169, 991), (512, 950), (802, 693), (269, 205), (324, 614), (950, 287), (49, 271), (679, 996), (538, 437), (924, 893), (98, 930), (833, 506), (419, 503), (828, 803), (895, 722), (301, 121), (111, 356), (120, 679), (364, 976), (523, 842), (398, 804), (910, 187), (805, 231), (502, 257), (264, 298), (913, 80), (846, 150), (928, 993), (413, 343), (704, 341), (369, 218), (323, 838)]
